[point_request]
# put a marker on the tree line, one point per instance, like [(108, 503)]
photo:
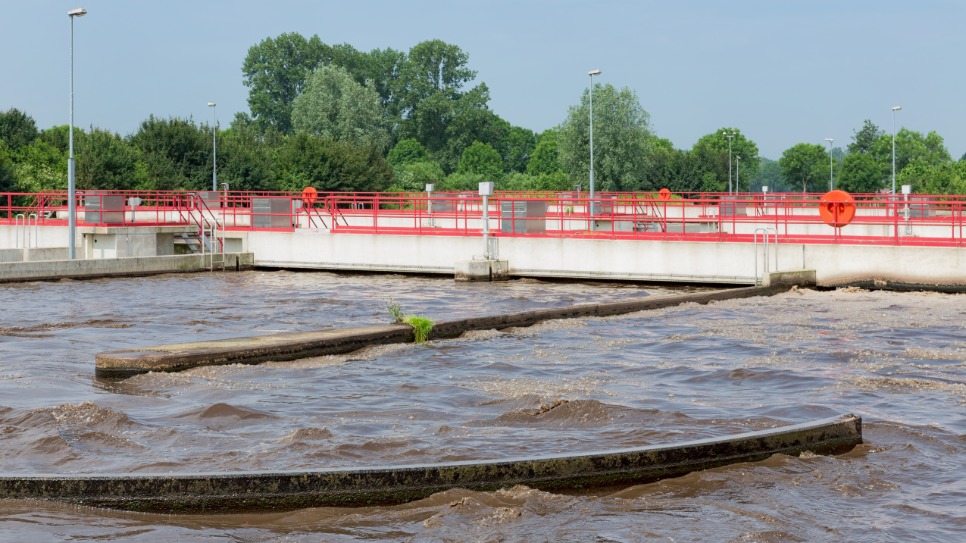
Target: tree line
[(340, 119)]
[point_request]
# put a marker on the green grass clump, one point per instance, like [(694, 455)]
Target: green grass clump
[(421, 326)]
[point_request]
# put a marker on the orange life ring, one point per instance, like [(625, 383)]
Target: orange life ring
[(664, 194), (837, 208), (309, 195)]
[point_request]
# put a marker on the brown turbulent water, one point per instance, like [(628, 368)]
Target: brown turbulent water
[(896, 359)]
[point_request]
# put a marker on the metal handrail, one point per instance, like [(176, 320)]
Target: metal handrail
[(880, 219)]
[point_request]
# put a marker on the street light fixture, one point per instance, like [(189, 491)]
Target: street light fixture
[(71, 167), (829, 140), (894, 110), (730, 136), (592, 73), (214, 147)]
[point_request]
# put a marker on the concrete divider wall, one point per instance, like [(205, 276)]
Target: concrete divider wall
[(115, 267), (260, 491), (130, 361)]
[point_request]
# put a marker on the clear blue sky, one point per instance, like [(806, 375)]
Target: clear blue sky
[(781, 71)]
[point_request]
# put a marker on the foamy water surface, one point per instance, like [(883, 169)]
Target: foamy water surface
[(561, 387)]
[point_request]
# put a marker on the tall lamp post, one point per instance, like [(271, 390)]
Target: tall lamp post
[(737, 170), (894, 110), (730, 136), (829, 140), (71, 168), (592, 73), (214, 147)]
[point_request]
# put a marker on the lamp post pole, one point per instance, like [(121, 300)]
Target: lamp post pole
[(894, 110), (729, 135), (829, 140), (214, 146), (592, 73), (737, 170), (71, 166)]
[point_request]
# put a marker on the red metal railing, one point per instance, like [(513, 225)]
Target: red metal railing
[(881, 219)]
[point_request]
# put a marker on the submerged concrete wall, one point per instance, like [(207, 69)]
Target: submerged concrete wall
[(280, 347), (232, 492)]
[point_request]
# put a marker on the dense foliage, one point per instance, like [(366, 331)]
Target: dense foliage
[(337, 118)]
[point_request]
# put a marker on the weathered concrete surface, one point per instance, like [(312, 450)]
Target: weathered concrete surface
[(481, 270), (281, 347), (250, 350), (116, 267), (231, 492), (802, 278)]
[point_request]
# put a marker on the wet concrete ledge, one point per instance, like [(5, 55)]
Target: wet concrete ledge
[(54, 270), (261, 491), (282, 347)]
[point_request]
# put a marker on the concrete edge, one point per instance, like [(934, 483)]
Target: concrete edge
[(261, 491), (802, 278), (283, 347), (55, 270)]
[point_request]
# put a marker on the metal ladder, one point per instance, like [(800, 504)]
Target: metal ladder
[(25, 237), (766, 267)]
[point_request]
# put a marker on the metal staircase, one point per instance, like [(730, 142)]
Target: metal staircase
[(205, 240)]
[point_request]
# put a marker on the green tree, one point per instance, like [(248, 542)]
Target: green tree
[(436, 111), (308, 160), (860, 173), (105, 161), (414, 176), (770, 175), (544, 159), (462, 182), (621, 138), (865, 138), (58, 137), (333, 105), (910, 146), (40, 166), (383, 70), (710, 154), (8, 179), (275, 71), (175, 154), (433, 67), (446, 126), (245, 159), (517, 147), (471, 121), (412, 168), (17, 129), (552, 182), (483, 159), (804, 164), (947, 178), (407, 151)]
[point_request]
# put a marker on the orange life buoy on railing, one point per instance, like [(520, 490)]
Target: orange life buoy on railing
[(309, 195), (664, 194), (837, 208)]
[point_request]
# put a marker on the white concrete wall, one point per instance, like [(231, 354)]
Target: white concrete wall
[(709, 262), (640, 260)]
